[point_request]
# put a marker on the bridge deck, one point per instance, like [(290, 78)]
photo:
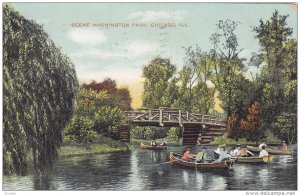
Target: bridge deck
[(171, 117)]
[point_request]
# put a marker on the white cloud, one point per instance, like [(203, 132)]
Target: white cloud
[(87, 36), (132, 50), (151, 16)]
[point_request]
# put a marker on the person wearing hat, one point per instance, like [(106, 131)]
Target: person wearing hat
[(223, 155), (261, 145), (219, 148), (283, 146), (263, 152)]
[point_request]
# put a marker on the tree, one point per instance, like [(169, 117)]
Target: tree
[(249, 127), (278, 79), (97, 112), (39, 90), (119, 95), (284, 127), (158, 86), (195, 94), (228, 67)]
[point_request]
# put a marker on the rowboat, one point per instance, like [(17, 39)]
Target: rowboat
[(176, 159), (149, 147), (254, 160), (271, 150)]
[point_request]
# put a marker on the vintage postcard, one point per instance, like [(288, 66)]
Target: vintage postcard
[(150, 96)]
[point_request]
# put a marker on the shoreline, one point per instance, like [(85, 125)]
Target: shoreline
[(73, 150)]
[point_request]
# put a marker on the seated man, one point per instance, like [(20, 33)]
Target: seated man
[(263, 152), (201, 156), (187, 156)]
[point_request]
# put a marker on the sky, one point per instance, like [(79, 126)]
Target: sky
[(119, 52)]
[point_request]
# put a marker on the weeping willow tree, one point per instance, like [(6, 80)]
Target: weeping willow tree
[(39, 90)]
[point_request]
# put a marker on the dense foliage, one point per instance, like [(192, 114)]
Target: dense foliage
[(254, 107), (97, 112), (249, 127), (39, 89), (277, 83), (120, 95)]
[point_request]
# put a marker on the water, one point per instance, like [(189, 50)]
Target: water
[(141, 170)]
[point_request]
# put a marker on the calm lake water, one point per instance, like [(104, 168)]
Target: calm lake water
[(141, 170)]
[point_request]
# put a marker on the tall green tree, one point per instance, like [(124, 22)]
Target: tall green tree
[(159, 87), (39, 90), (229, 68), (278, 79), (195, 93)]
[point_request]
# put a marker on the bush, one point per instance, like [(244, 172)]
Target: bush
[(80, 130), (144, 133), (174, 134), (285, 127)]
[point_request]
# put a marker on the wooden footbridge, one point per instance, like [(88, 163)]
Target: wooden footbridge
[(196, 128)]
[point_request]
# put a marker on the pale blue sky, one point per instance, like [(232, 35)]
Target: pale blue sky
[(120, 53)]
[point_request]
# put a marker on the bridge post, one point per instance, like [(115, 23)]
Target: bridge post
[(179, 118), (161, 117)]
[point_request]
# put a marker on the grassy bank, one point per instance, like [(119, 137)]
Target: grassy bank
[(100, 146)]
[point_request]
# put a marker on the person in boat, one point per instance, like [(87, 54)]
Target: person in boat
[(244, 152), (261, 145), (237, 151), (219, 148), (188, 155), (283, 146), (164, 143), (153, 142), (223, 155), (201, 156), (263, 152), (232, 151)]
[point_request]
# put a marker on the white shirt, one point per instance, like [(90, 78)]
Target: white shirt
[(236, 152), (232, 153), (263, 153)]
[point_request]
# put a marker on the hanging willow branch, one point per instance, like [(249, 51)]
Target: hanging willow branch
[(39, 88)]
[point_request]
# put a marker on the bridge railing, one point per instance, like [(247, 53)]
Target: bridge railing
[(171, 116)]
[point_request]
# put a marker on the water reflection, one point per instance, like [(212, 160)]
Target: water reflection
[(143, 170)]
